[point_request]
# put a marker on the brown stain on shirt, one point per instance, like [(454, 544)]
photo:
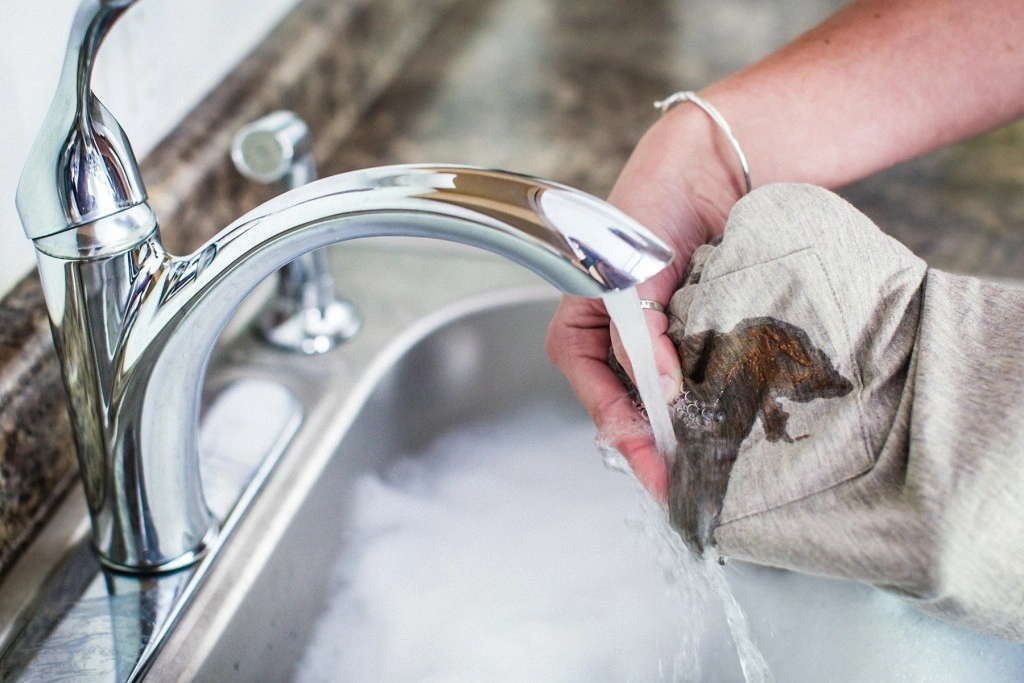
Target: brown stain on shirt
[(732, 380)]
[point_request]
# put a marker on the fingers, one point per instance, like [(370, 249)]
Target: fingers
[(665, 195), (666, 358), (647, 464), (578, 341)]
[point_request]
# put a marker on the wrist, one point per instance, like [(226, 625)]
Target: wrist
[(708, 157), (681, 182)]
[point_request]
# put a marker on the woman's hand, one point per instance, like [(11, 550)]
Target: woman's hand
[(864, 90), (680, 185)]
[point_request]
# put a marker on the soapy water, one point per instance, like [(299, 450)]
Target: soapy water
[(505, 552), (508, 551)]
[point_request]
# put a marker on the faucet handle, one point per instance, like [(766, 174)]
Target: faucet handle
[(81, 167)]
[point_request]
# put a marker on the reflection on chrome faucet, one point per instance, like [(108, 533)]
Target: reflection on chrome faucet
[(134, 326)]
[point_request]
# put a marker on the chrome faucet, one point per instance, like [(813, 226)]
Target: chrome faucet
[(134, 326)]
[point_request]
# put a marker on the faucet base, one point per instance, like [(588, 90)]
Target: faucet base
[(310, 330), (90, 619), (178, 563)]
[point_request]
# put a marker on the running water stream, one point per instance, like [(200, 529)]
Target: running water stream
[(624, 309), (625, 312)]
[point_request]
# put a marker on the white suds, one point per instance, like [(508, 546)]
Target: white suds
[(509, 551)]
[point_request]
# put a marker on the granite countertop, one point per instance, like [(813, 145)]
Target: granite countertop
[(563, 90), (554, 88)]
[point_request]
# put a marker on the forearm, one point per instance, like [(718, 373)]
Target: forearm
[(876, 84)]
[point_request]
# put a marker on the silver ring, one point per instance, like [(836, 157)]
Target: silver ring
[(653, 305)]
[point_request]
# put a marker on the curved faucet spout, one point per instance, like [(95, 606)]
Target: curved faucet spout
[(138, 432), (580, 244)]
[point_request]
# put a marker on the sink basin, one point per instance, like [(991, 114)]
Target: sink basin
[(255, 612), (452, 339), (471, 362)]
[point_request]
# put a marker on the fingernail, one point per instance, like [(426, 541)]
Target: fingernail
[(669, 387)]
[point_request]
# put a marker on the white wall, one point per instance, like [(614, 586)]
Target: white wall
[(159, 61)]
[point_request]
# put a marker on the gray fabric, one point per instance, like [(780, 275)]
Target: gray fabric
[(913, 480)]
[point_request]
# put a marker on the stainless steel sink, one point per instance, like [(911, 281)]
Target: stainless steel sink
[(435, 352), (253, 618), (271, 427), (472, 360), (424, 360)]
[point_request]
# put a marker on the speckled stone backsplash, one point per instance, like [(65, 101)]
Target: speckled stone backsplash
[(556, 88), (36, 453)]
